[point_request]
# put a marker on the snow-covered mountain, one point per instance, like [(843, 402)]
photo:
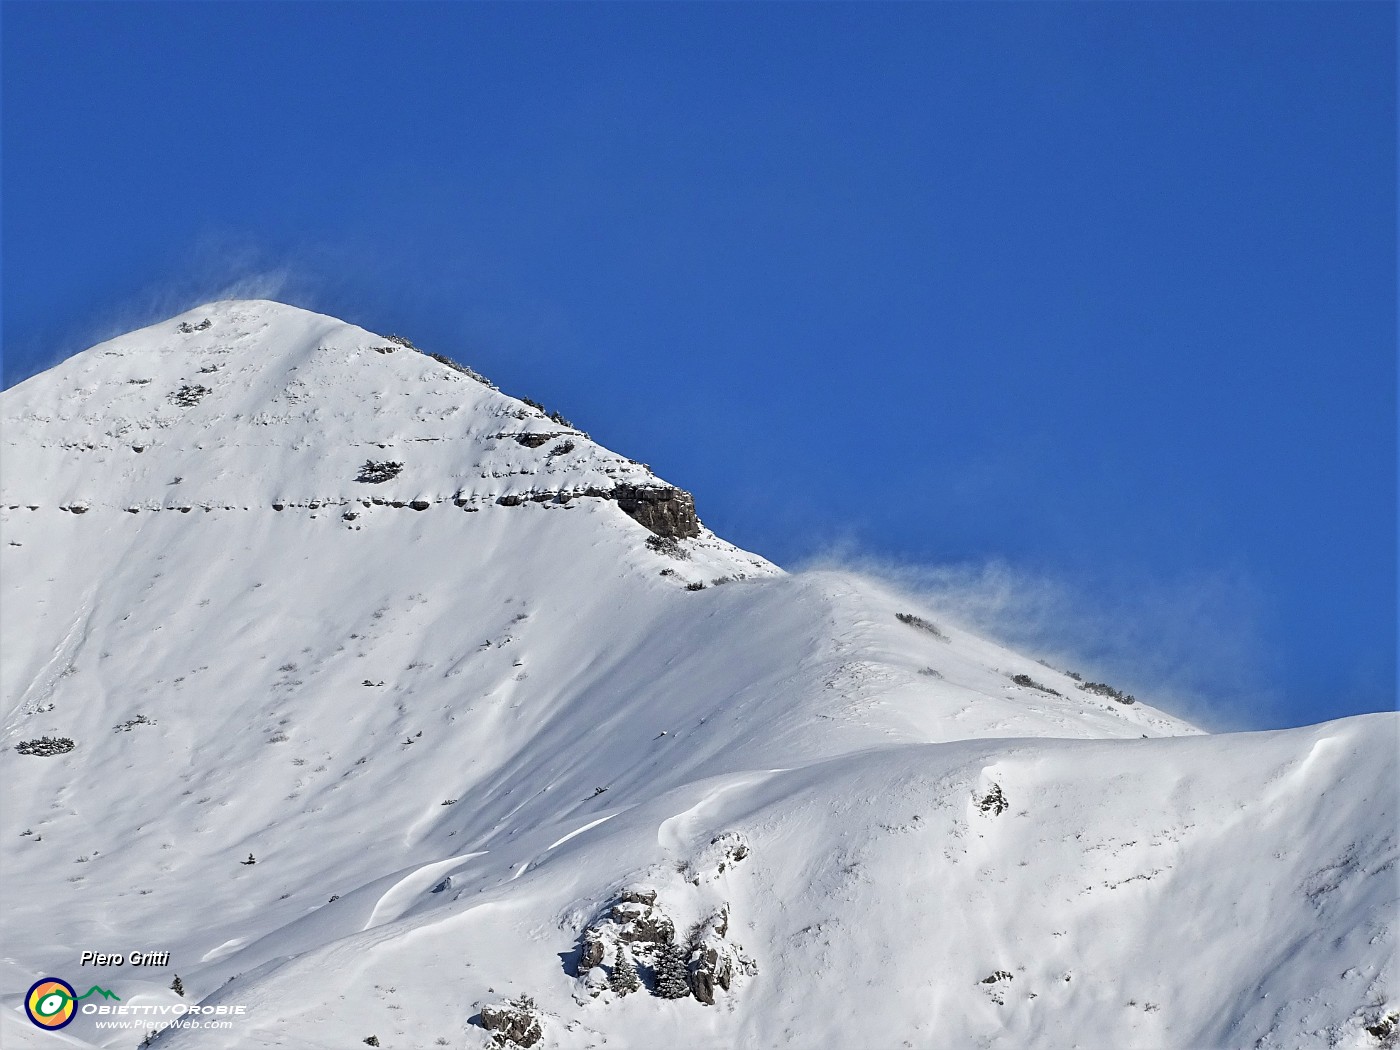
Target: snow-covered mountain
[(496, 716)]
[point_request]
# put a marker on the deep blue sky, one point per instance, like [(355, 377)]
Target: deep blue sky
[(1104, 294)]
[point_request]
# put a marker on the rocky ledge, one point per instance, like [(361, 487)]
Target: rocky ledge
[(665, 510)]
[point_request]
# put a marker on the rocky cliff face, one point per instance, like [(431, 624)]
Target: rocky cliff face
[(666, 511), (662, 509)]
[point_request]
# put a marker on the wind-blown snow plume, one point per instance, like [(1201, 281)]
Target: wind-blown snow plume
[(1192, 643)]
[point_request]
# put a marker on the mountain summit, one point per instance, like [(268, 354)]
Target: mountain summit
[(395, 708), (255, 404)]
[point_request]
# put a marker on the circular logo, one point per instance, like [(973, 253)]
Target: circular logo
[(49, 1003)]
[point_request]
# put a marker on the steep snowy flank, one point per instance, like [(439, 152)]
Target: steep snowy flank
[(497, 717), (241, 405)]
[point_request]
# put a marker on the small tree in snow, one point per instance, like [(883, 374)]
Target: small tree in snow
[(624, 977), (376, 471), (672, 981)]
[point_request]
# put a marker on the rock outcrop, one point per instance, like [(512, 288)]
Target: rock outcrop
[(666, 511), (636, 920), (714, 959), (513, 1023), (724, 851), (636, 925)]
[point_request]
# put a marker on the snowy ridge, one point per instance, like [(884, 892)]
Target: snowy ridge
[(455, 740)]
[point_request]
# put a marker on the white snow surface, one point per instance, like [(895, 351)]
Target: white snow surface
[(412, 710)]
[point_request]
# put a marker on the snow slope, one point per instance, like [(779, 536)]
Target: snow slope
[(404, 696)]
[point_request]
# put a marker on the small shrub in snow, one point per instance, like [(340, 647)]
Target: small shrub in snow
[(189, 395), (562, 449), (993, 802), (921, 624), (996, 992), (668, 546), (401, 340), (443, 359), (185, 328), (1101, 689), (372, 1040), (457, 366), (1030, 683), (46, 746), (698, 585), (556, 417), (376, 471)]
